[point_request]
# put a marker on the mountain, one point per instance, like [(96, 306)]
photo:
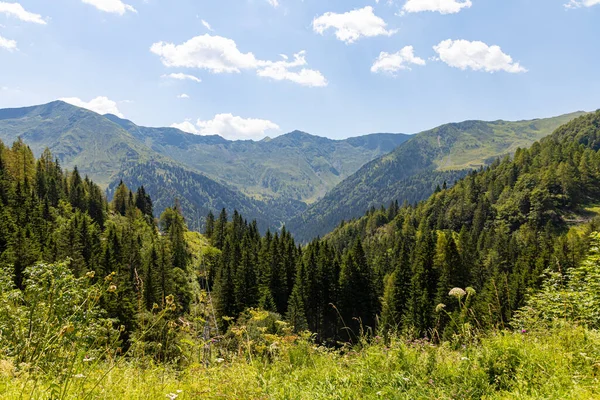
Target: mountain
[(198, 195), (412, 171), (294, 166), (268, 180), (78, 137), (107, 153)]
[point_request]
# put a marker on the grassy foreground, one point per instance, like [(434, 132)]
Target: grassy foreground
[(560, 363)]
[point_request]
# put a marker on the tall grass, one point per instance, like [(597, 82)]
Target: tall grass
[(558, 363)]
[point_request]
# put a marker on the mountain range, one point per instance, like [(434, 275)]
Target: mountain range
[(413, 171), (269, 180), (307, 182)]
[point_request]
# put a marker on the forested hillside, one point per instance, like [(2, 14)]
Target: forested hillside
[(198, 195), (495, 232), (134, 263), (413, 171)]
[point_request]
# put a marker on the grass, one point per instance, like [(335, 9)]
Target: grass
[(560, 363)]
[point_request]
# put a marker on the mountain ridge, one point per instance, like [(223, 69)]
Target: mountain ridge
[(442, 154)]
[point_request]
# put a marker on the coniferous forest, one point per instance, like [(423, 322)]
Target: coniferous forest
[(92, 287)]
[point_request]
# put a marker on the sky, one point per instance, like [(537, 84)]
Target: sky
[(246, 69)]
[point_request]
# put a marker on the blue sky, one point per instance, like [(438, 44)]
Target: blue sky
[(353, 66)]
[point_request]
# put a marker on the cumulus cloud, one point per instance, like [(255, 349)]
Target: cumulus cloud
[(8, 44), (111, 6), (274, 3), (230, 127), (214, 53), (477, 56), (183, 96), (101, 105), (186, 126), (441, 6), (182, 77), (221, 55), (392, 63), (581, 3), (352, 25), (17, 10)]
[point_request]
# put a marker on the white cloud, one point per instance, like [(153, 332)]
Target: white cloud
[(221, 55), (183, 96), (207, 26), (182, 77), (101, 105), (7, 44), (477, 56), (352, 25), (441, 6), (581, 3), (230, 127), (280, 70), (111, 6), (274, 3), (186, 126), (17, 10), (391, 63), (214, 53)]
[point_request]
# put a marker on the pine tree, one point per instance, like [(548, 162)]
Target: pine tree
[(296, 315), (120, 202)]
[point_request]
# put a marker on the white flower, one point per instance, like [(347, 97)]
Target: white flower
[(457, 292), (219, 360), (79, 376), (172, 396)]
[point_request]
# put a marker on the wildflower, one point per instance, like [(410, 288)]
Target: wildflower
[(172, 396), (88, 359), (90, 274), (79, 376), (440, 307), (464, 358), (471, 291), (110, 277), (112, 288), (523, 331), (170, 299), (66, 329), (219, 360), (457, 292)]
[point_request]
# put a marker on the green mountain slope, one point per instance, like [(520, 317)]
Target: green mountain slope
[(412, 171), (294, 166), (108, 153), (78, 137), (198, 194)]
